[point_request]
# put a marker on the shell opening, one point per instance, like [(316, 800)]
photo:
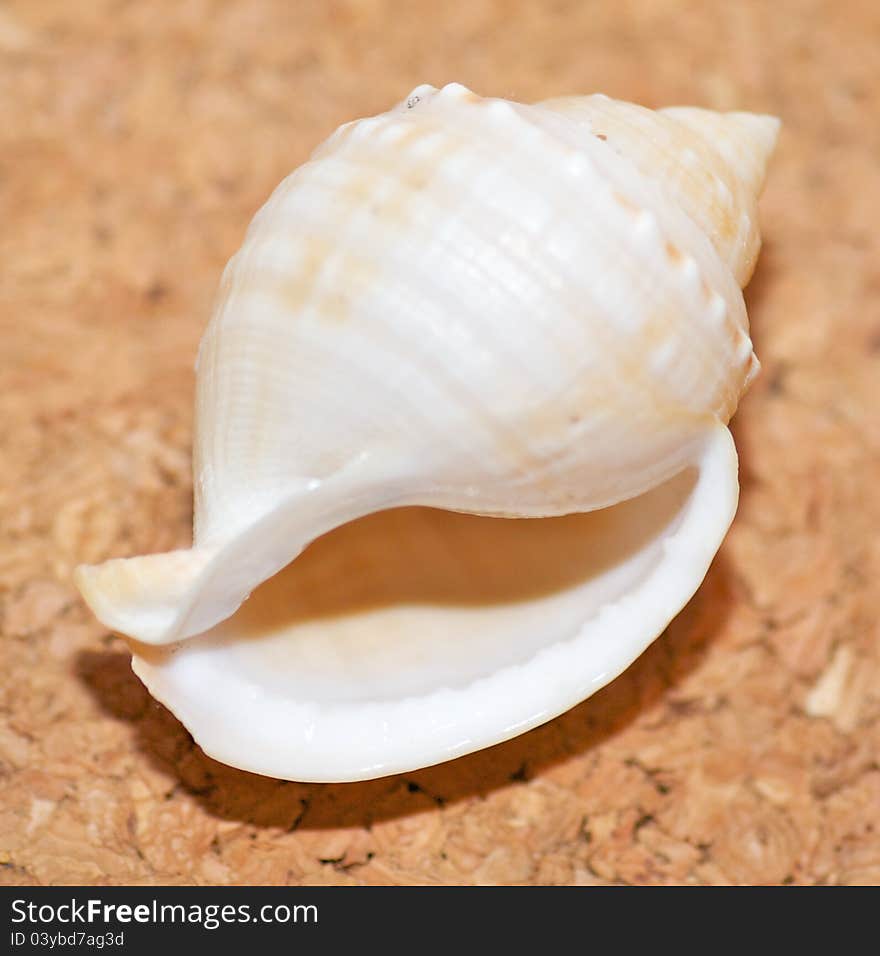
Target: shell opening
[(414, 635)]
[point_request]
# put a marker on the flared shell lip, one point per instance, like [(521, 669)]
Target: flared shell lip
[(307, 741)]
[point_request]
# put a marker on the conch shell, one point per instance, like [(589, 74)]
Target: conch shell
[(478, 306)]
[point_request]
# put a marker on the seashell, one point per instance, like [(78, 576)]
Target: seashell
[(460, 310)]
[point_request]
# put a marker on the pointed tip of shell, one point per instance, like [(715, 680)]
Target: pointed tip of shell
[(741, 144), (745, 140), (761, 130), (712, 164)]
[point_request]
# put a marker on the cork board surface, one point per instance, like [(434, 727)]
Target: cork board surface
[(137, 141)]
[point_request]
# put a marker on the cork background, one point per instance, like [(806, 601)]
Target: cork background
[(137, 141)]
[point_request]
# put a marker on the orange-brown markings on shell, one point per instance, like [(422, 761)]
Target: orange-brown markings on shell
[(626, 383), (630, 366), (298, 284), (354, 275), (673, 253), (750, 260), (362, 190), (413, 132), (360, 187), (663, 155), (334, 305), (732, 332), (374, 165), (517, 444), (714, 208), (721, 215), (673, 138), (724, 397), (727, 390), (555, 424), (655, 330), (465, 95), (661, 326), (410, 175), (736, 381), (413, 174), (718, 209), (295, 286), (626, 204)]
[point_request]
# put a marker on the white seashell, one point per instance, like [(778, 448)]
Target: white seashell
[(477, 306)]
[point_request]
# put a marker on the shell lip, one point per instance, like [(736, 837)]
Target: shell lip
[(239, 723), (161, 599)]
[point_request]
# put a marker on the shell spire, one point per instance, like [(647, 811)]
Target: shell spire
[(461, 309), (711, 164)]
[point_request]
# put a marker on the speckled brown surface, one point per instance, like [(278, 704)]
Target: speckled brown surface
[(137, 140)]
